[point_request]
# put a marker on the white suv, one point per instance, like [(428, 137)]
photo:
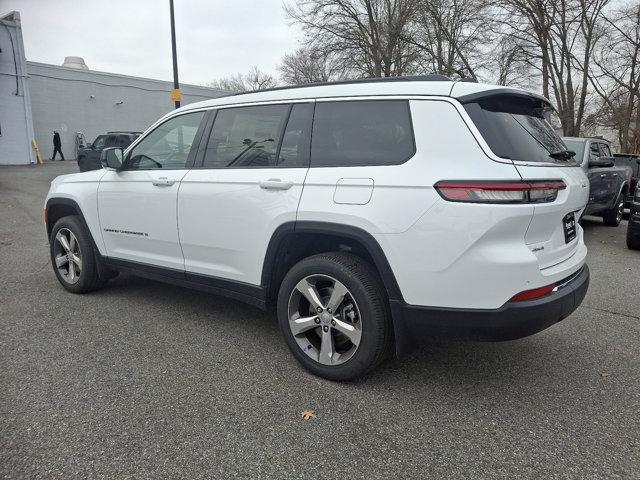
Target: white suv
[(368, 213)]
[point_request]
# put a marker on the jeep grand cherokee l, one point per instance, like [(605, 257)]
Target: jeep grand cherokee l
[(368, 213)]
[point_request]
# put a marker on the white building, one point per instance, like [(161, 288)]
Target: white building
[(37, 98)]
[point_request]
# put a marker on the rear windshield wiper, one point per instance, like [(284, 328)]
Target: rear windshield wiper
[(565, 155)]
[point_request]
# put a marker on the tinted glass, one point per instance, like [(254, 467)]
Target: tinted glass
[(123, 141), (594, 151), (112, 141), (361, 133), (245, 137), (515, 128), (632, 162), (605, 150), (100, 141), (294, 149), (167, 146), (575, 146)]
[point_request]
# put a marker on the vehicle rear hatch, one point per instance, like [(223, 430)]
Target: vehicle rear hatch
[(515, 127)]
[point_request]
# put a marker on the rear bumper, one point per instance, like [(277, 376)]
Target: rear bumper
[(511, 321)]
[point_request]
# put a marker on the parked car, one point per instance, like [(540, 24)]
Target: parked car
[(633, 229), (369, 214), (633, 162), (89, 154), (609, 184)]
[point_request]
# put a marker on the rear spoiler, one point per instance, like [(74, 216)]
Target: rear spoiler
[(498, 92)]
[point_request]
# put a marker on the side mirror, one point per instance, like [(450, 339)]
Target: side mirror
[(111, 158), (601, 162)]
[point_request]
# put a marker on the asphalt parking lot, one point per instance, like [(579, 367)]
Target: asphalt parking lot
[(146, 380)]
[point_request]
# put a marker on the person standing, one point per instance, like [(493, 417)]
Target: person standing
[(57, 145)]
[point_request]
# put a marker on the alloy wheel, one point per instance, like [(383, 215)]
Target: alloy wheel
[(324, 319), (67, 255)]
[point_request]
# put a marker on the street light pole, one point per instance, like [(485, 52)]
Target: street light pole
[(175, 94)]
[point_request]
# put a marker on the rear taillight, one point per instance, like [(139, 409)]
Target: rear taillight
[(538, 191), (533, 294)]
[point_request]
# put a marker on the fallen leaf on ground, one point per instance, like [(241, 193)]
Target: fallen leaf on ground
[(308, 414)]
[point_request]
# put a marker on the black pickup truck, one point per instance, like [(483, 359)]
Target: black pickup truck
[(609, 184), (89, 155)]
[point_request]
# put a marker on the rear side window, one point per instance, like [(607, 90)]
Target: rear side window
[(515, 128), (351, 133), (605, 150), (245, 137)]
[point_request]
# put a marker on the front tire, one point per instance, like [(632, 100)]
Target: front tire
[(613, 216), (333, 314), (73, 258)]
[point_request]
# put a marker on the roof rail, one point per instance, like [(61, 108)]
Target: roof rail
[(435, 77)]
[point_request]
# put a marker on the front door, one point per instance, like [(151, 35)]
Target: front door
[(249, 183), (137, 205)]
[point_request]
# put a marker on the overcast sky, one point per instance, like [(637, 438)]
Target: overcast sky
[(215, 37)]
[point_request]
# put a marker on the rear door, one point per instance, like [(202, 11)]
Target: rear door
[(247, 184), (613, 178), (515, 128), (597, 180)]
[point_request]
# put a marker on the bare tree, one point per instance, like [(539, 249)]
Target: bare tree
[(616, 76), (449, 35), (558, 37), (311, 65), (367, 35), (255, 79)]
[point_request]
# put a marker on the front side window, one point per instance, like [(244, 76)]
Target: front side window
[(100, 141), (594, 151), (168, 146), (366, 132), (515, 128), (245, 137)]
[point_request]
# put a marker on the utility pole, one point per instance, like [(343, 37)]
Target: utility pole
[(176, 95)]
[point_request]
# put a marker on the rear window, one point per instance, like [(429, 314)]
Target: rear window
[(366, 132), (515, 128)]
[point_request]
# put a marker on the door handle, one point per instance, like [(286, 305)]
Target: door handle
[(275, 184), (602, 175), (615, 174), (163, 182)]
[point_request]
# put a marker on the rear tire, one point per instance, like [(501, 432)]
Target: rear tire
[(337, 341), (633, 236), (73, 257), (613, 216)]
